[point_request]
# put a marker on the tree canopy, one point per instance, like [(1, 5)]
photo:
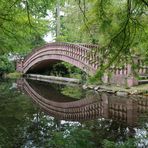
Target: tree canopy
[(22, 25), (118, 27)]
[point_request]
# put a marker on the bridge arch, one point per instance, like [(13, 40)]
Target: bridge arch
[(80, 56)]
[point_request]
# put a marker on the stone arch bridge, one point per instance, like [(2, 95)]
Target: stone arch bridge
[(79, 55), (83, 56)]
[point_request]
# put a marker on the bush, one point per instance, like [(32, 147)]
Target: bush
[(5, 65)]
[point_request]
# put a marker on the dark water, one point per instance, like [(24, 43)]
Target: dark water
[(39, 115)]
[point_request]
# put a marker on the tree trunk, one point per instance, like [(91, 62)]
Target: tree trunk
[(58, 19)]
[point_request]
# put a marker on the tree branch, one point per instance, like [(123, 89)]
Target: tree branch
[(146, 3), (14, 4), (85, 19), (28, 13), (8, 32)]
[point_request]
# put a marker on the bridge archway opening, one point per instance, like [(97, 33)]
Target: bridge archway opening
[(57, 68)]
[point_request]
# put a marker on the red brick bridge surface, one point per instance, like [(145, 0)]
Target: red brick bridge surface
[(126, 110), (82, 56)]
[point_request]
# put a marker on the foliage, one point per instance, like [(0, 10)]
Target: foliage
[(130, 143), (118, 27), (97, 78), (65, 69), (57, 69), (24, 125), (77, 138), (14, 108), (22, 27), (5, 65), (21, 24), (74, 92)]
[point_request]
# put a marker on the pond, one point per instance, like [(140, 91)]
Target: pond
[(36, 114)]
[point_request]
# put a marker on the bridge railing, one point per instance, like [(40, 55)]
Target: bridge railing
[(126, 75), (140, 69), (71, 48)]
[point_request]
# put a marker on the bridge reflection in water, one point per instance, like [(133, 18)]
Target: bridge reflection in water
[(127, 110)]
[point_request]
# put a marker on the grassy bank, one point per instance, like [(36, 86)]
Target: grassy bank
[(13, 75)]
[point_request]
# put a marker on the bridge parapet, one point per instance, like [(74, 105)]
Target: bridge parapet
[(57, 45), (128, 74)]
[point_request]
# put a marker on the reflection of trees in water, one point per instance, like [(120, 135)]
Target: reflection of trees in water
[(29, 127), (108, 129), (93, 105), (13, 107), (74, 92), (52, 132), (51, 91), (21, 124)]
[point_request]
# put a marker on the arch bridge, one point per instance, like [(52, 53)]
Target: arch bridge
[(79, 55), (86, 58)]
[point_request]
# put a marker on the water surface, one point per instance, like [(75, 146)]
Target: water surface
[(39, 114)]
